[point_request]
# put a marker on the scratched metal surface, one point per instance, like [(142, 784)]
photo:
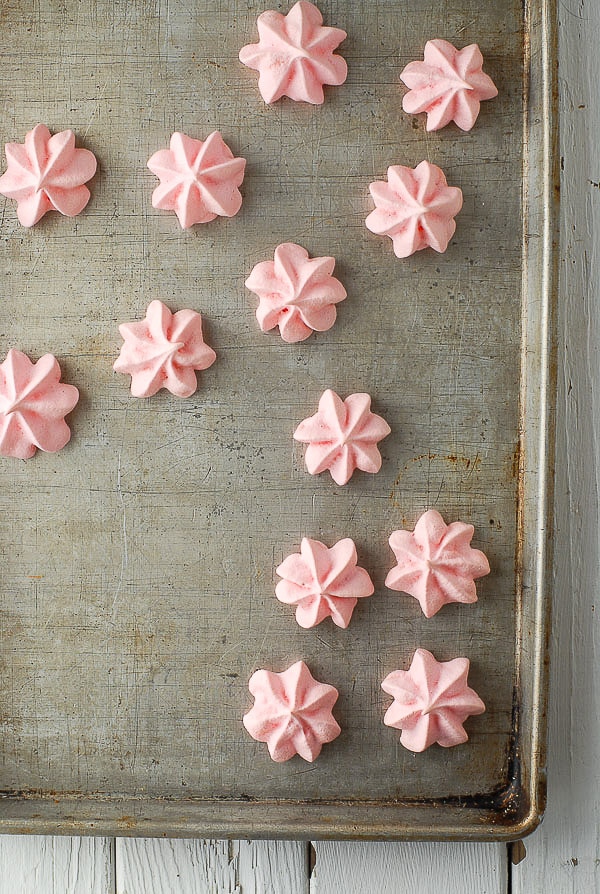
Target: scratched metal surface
[(138, 563)]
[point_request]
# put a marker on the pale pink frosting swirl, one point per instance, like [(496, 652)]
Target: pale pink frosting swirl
[(431, 701), (33, 404), (292, 712), (295, 54), (436, 563), (415, 208), (164, 350), (449, 85), (323, 582), (342, 436), (47, 173), (297, 293)]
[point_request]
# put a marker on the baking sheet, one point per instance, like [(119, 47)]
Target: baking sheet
[(138, 575)]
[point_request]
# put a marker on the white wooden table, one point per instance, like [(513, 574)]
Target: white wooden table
[(564, 854)]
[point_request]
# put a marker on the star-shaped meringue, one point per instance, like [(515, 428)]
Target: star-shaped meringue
[(436, 563), (448, 85), (198, 179), (47, 173), (296, 293), (431, 701), (33, 404), (323, 582), (164, 350), (295, 55), (415, 208), (292, 712), (342, 436)]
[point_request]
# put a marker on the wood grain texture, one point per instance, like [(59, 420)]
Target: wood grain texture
[(409, 868), (158, 866), (272, 867), (563, 856), (38, 864)]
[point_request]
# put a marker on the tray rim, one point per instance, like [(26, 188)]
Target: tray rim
[(509, 813)]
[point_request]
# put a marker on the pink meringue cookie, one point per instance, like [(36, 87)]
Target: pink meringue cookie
[(295, 55), (47, 173), (33, 404), (198, 180), (436, 563), (448, 85), (342, 436), (323, 582), (431, 701), (292, 712), (164, 351), (415, 208), (296, 293)]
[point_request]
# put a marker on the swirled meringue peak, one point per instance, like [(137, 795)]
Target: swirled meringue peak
[(33, 405), (295, 54), (164, 350), (296, 293), (415, 208), (47, 173), (292, 712), (199, 180), (449, 85), (323, 582), (342, 436), (436, 563), (431, 701)]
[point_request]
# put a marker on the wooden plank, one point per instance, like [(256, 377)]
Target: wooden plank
[(273, 867), (418, 868), (156, 866), (564, 854), (54, 865)]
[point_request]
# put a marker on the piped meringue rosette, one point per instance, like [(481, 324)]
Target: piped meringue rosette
[(33, 405), (296, 293), (295, 55), (47, 173), (292, 712), (448, 85), (415, 208), (432, 700), (199, 179), (436, 563), (164, 350), (342, 436), (323, 582)]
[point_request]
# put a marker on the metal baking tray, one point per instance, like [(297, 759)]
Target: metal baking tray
[(138, 563)]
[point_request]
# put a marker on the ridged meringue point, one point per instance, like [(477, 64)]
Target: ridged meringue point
[(431, 702), (292, 712), (47, 173), (342, 436), (323, 582), (449, 85), (33, 405), (296, 293), (164, 350), (415, 208), (436, 563), (295, 54), (199, 180)]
